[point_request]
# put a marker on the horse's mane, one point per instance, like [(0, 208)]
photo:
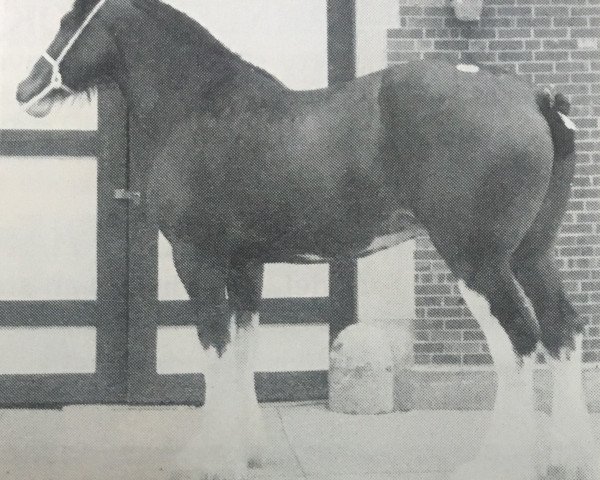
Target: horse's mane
[(178, 25)]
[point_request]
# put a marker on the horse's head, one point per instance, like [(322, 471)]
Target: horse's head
[(78, 58)]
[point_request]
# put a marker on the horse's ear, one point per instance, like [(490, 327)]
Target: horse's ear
[(82, 7)]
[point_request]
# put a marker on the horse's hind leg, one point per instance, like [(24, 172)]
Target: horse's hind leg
[(573, 453), (218, 451), (508, 450)]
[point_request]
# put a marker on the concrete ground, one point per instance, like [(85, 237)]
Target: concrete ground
[(307, 442)]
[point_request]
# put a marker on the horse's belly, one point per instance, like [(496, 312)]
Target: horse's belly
[(398, 228)]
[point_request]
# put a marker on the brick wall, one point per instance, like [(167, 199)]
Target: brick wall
[(553, 43)]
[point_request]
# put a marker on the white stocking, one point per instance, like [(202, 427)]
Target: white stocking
[(254, 434), (573, 449), (218, 452), (508, 450)]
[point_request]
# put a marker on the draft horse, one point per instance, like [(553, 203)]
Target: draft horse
[(244, 171)]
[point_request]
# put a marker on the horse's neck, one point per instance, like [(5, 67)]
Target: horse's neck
[(163, 81)]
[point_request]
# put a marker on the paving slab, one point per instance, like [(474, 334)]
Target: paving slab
[(306, 442)]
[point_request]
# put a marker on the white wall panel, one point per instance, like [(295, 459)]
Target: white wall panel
[(48, 216), (47, 350), (281, 348)]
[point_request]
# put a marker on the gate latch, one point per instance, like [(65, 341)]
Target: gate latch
[(129, 195)]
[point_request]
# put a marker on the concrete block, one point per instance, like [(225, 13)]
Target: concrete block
[(361, 372)]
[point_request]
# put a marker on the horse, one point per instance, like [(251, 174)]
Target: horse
[(243, 171)]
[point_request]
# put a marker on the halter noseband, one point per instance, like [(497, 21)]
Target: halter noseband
[(56, 82)]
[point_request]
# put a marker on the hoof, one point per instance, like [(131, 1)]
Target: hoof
[(490, 470), (211, 473), (574, 455), (203, 460), (256, 440), (196, 475), (583, 470)]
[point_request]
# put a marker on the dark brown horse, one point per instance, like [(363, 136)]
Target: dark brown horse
[(244, 171)]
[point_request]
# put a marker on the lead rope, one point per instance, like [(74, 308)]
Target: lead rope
[(56, 81)]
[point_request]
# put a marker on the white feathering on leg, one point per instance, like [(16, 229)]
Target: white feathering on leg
[(218, 452), (254, 433), (509, 449), (574, 454)]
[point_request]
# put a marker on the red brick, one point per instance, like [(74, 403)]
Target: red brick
[(553, 55), (410, 10), (477, 359), (586, 55), (534, 22), (585, 11), (423, 359), (571, 66), (533, 44), (533, 67), (430, 22), (473, 335), (432, 289), (478, 33), (506, 45), (428, 301), (428, 347), (451, 56), (585, 32), (515, 56), (446, 359), (551, 77), (502, 22), (514, 33), (445, 11), (585, 77), (551, 11), (444, 312), (406, 33), (464, 323), (451, 44), (570, 22), (559, 44), (422, 335), (515, 11)]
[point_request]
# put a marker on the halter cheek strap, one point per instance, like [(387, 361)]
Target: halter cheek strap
[(56, 82)]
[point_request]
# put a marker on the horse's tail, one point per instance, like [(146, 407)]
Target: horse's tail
[(533, 262), (562, 128)]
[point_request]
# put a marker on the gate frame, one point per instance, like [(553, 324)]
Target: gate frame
[(108, 312), (127, 268)]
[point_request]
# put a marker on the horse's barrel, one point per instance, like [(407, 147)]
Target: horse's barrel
[(361, 371)]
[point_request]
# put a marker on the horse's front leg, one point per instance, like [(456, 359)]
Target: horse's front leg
[(244, 287), (219, 450)]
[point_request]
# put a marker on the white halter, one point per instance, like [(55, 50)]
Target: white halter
[(56, 82)]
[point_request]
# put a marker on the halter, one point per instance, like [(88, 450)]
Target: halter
[(56, 81)]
